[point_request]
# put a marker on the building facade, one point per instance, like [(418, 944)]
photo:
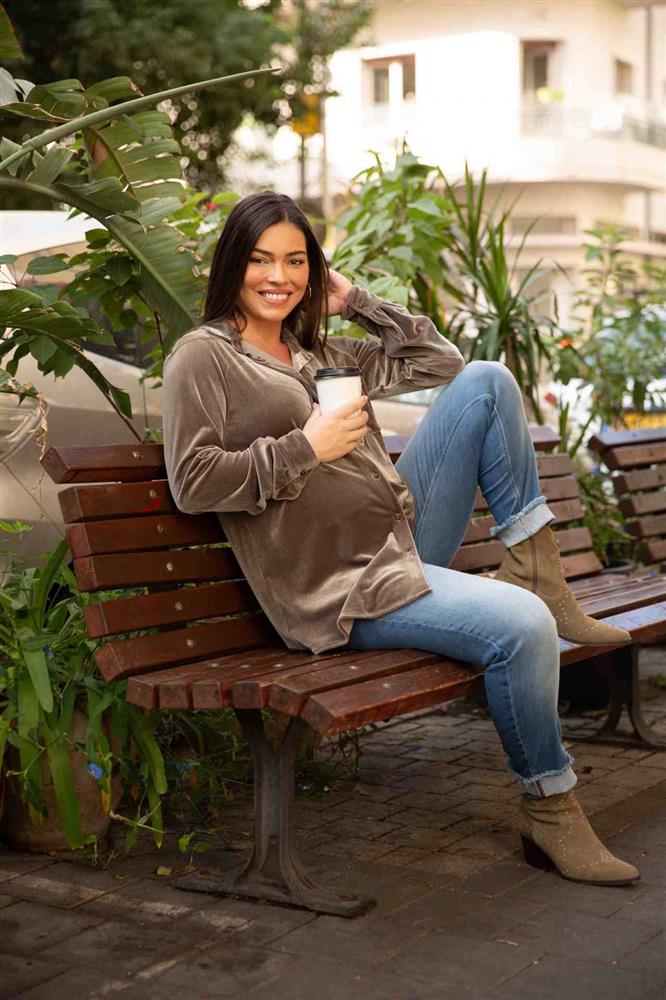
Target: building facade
[(563, 101)]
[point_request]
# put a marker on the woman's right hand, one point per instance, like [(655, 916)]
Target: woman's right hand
[(335, 434)]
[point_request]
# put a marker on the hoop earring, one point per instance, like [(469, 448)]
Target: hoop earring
[(304, 301)]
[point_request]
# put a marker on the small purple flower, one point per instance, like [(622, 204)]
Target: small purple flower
[(95, 771), (49, 652)]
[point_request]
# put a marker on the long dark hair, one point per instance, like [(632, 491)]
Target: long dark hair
[(245, 224)]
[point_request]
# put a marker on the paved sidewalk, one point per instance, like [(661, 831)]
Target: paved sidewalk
[(427, 830)]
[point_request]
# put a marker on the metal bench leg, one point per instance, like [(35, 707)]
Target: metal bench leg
[(624, 683), (274, 871)]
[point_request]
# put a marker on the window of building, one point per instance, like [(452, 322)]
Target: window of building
[(390, 80), (380, 85), (538, 66), (624, 77), (408, 78)]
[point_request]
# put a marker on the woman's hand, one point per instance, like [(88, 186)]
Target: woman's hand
[(338, 290), (335, 434)]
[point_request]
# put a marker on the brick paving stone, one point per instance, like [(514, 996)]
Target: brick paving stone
[(221, 971), (26, 928), (650, 955), (65, 885), (80, 984), (551, 890), (147, 900), (315, 977), (114, 948), (425, 838), (576, 979), (19, 973), (562, 931), (493, 844), (654, 760), (340, 941), (470, 914), (499, 877), (13, 865), (468, 961)]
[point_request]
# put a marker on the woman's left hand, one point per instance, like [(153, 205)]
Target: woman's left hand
[(338, 290)]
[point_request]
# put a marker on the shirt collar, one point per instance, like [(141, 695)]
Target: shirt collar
[(228, 331)]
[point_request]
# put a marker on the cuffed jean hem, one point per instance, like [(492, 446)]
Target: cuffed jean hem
[(525, 524), (550, 783)]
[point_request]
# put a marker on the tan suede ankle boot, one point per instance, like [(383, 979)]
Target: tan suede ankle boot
[(556, 834), (535, 564)]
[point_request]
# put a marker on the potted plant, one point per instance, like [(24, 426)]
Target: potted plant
[(69, 743)]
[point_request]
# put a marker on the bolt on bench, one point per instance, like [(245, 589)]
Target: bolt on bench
[(190, 635)]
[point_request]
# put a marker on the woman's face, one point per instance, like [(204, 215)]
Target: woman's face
[(276, 276)]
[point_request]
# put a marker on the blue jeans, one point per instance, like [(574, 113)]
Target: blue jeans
[(476, 434)]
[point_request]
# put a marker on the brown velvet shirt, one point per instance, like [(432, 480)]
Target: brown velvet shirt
[(321, 543)]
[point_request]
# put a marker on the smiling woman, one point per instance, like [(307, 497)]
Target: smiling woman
[(330, 536), (268, 273)]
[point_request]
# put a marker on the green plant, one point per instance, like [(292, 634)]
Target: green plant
[(496, 316), (414, 237), (395, 232), (617, 344), (119, 164), (46, 672)]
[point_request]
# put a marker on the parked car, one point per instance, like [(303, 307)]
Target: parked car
[(77, 413)]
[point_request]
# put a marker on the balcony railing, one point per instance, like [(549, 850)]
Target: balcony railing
[(555, 121)]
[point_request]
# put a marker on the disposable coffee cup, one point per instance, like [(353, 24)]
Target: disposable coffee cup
[(337, 386)]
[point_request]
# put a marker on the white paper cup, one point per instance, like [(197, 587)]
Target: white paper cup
[(337, 386)]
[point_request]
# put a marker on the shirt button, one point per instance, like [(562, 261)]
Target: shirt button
[(375, 475), (397, 517)]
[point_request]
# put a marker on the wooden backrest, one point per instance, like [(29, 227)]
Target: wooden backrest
[(637, 463), (175, 570), (480, 553), (125, 533)]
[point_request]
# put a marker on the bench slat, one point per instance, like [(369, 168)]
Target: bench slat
[(128, 614), (646, 624), (95, 573), (603, 440), (643, 503), (90, 503), (653, 551), (104, 463), (122, 658), (487, 555), (350, 707), (135, 534), (554, 465), (288, 690), (641, 479), (648, 526), (144, 690), (479, 527), (628, 458), (624, 600)]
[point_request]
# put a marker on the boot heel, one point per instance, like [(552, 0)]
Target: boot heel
[(535, 857)]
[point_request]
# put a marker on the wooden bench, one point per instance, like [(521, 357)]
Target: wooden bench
[(189, 634), (637, 463)]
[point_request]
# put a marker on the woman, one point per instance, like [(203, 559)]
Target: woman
[(340, 547)]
